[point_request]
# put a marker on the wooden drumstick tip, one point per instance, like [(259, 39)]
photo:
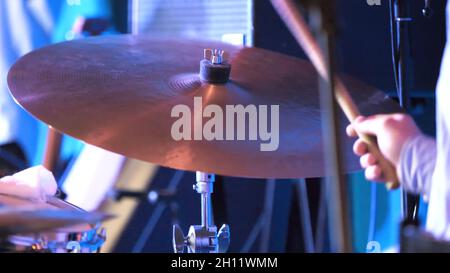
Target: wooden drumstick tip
[(392, 185)]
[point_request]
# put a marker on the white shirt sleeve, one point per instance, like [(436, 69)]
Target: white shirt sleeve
[(438, 218), (425, 163), (417, 164)]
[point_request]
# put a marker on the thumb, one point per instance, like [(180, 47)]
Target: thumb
[(371, 125)]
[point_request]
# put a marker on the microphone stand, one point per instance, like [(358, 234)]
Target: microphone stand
[(401, 47)]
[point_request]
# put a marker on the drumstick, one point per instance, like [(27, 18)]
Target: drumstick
[(298, 27)]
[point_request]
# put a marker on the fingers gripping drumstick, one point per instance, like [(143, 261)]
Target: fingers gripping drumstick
[(298, 27)]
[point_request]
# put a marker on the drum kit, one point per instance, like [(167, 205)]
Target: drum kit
[(117, 93), (52, 227)]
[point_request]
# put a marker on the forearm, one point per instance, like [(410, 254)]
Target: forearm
[(417, 163)]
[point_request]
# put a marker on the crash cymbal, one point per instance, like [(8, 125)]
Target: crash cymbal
[(118, 93), (20, 216), (24, 221)]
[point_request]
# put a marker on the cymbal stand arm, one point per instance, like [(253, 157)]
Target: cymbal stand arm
[(204, 187), (203, 238)]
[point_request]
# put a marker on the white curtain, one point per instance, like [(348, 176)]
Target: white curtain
[(19, 21)]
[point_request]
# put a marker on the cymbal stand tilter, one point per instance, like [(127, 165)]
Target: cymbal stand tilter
[(203, 238)]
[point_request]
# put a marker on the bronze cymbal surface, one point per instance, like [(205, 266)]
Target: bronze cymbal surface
[(118, 92), (20, 216)]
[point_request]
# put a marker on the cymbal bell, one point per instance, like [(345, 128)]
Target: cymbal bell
[(118, 93)]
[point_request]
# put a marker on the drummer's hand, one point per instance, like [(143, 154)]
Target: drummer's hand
[(391, 131)]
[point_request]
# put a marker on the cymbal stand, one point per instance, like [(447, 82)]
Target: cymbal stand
[(322, 22), (203, 238)]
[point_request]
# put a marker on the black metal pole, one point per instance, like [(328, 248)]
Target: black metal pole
[(402, 50), (402, 30)]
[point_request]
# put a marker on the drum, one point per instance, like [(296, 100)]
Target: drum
[(81, 238)]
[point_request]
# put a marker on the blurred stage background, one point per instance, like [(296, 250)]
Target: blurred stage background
[(265, 216)]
